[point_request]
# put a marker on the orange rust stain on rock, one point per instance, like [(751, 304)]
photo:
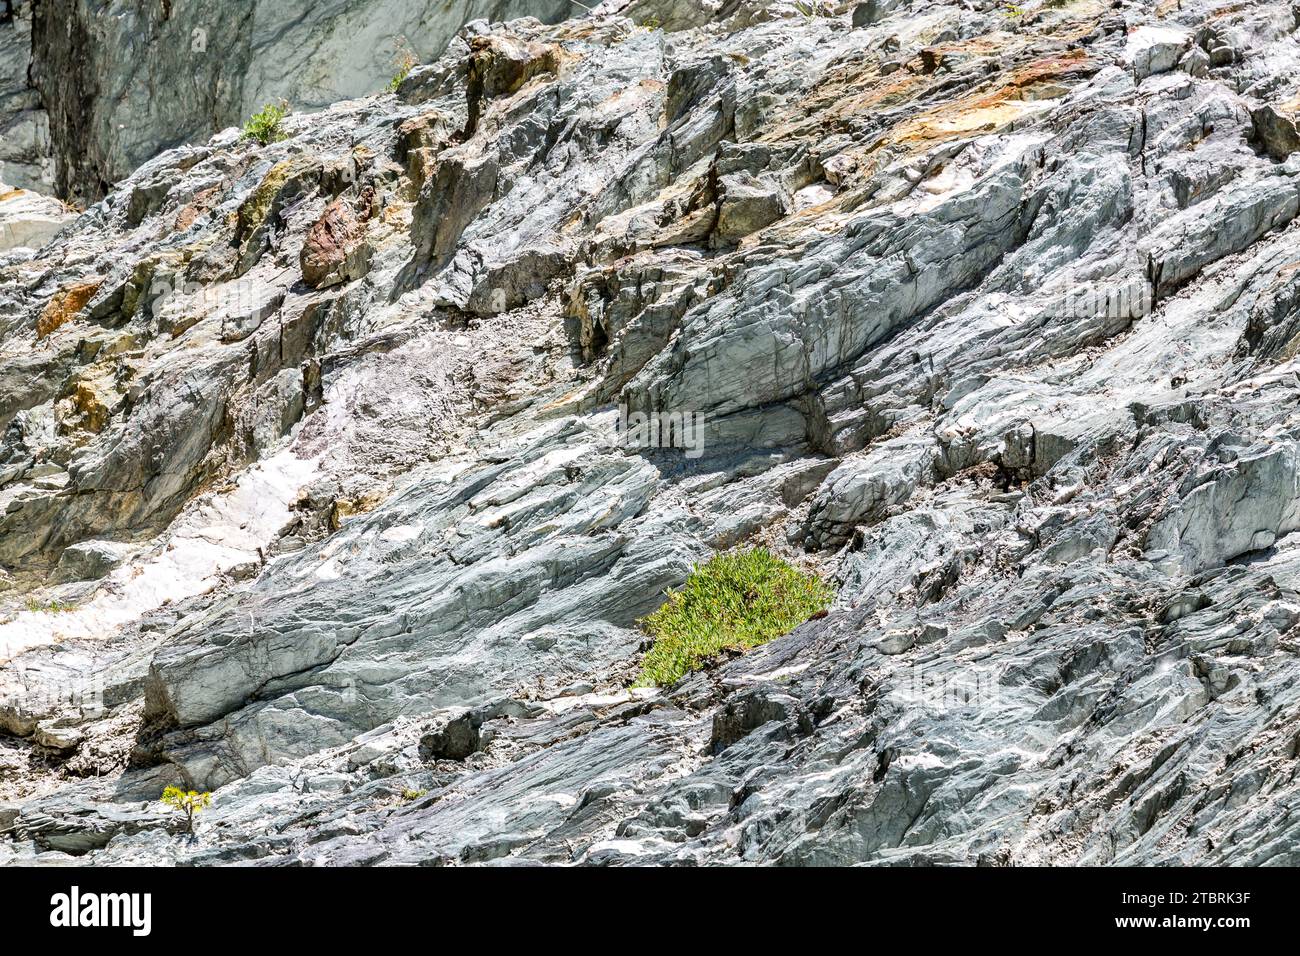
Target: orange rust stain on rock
[(1227, 11), (857, 89), (850, 90), (1073, 65), (202, 203), (82, 410), (932, 56), (992, 110), (65, 305)]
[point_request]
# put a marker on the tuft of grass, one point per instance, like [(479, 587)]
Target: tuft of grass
[(403, 71), (49, 607), (404, 61), (735, 601), (265, 125), (811, 9)]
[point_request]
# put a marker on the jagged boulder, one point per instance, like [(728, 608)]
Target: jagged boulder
[(29, 220), (334, 249), (88, 560), (746, 204), (1155, 49), (1277, 130), (456, 739)]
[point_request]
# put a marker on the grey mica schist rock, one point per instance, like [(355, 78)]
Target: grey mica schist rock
[(28, 220), (143, 76), (88, 560), (996, 330)]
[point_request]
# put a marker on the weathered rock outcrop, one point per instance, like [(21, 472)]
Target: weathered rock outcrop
[(26, 157), (992, 317), (88, 92)]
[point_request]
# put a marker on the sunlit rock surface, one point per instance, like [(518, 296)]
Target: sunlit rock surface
[(28, 220)]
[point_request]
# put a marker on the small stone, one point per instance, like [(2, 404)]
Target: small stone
[(838, 168), (896, 642), (61, 740), (245, 570)]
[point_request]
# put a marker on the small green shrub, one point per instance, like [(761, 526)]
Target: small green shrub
[(737, 600), (265, 125), (188, 802), (409, 796)]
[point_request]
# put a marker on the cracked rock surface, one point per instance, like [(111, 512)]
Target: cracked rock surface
[(314, 492), (90, 90)]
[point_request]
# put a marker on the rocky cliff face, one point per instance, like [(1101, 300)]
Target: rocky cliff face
[(89, 91), (26, 159), (315, 492)]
